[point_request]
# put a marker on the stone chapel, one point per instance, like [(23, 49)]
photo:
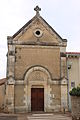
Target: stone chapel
[(36, 68)]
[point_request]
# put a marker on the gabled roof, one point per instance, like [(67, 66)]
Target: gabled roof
[(30, 21), (54, 30), (23, 27)]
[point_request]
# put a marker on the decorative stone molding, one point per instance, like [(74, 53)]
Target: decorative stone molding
[(39, 83), (64, 81), (38, 32), (38, 68), (19, 82), (11, 81)]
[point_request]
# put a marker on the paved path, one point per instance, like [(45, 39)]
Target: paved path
[(43, 116), (8, 118)]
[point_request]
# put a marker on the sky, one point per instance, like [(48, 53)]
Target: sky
[(62, 15)]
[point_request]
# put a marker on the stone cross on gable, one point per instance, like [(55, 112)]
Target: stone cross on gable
[(37, 9)]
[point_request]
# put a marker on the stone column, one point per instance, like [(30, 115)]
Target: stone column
[(49, 98), (11, 58), (64, 103), (10, 75), (10, 98)]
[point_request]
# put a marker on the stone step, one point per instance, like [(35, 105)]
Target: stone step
[(42, 114), (47, 116)]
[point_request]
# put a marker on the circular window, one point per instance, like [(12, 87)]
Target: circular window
[(38, 33)]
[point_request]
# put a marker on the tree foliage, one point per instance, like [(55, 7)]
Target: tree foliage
[(75, 92)]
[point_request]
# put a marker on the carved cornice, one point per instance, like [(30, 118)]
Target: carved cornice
[(29, 42)]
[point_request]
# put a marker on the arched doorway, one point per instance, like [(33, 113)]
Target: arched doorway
[(37, 89)]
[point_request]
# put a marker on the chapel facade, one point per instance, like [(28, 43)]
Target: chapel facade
[(36, 68)]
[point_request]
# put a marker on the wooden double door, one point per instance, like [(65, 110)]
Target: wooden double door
[(37, 99)]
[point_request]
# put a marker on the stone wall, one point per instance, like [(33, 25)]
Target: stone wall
[(27, 57), (74, 71), (75, 102), (2, 95), (56, 97), (19, 95), (35, 61)]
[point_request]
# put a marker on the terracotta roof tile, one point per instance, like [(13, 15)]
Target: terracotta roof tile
[(72, 52)]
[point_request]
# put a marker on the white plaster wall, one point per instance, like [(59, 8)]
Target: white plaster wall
[(74, 72)]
